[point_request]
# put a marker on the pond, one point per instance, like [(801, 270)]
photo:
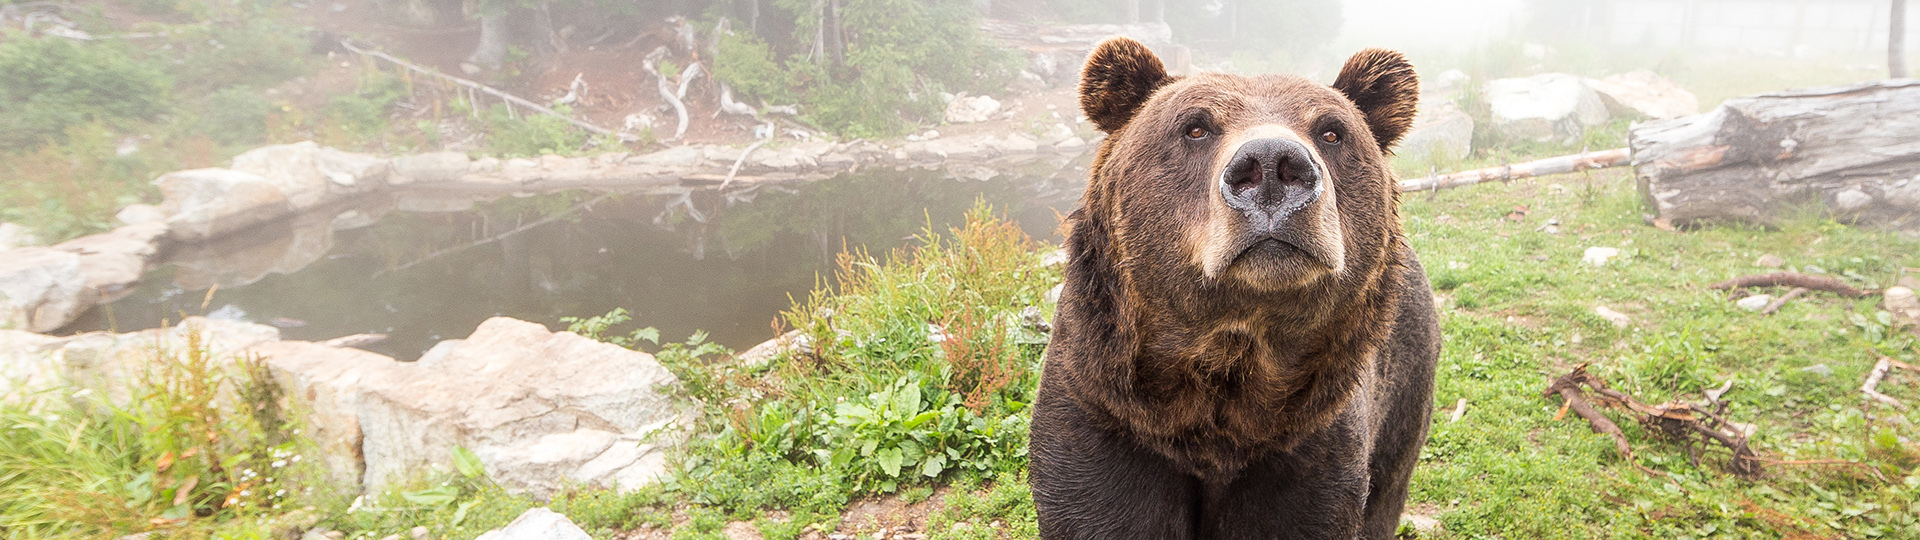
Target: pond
[(421, 267)]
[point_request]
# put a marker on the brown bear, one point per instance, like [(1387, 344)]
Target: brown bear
[(1245, 344)]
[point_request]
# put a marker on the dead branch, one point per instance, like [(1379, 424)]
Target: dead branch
[(1679, 420), (1777, 303), (1540, 167), (1792, 279), (597, 130), (1872, 387)]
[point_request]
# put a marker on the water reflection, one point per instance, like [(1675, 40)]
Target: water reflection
[(426, 266)]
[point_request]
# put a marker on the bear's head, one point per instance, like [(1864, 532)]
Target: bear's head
[(1235, 262)]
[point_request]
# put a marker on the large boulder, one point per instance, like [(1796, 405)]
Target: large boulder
[(13, 235), (201, 204), (26, 362), (1440, 133), (113, 261), (428, 168), (113, 364), (971, 109), (42, 289), (1545, 107), (310, 175), (328, 382), (1643, 93), (541, 409)]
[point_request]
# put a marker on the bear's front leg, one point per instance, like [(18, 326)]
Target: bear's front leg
[(1092, 484), (1316, 491)]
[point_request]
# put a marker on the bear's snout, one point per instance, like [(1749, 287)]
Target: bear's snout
[(1268, 180)]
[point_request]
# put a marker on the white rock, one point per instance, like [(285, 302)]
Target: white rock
[(1755, 303), (42, 289), (1071, 142), (1851, 199), (201, 204), (13, 235), (1440, 133), (114, 261), (139, 214), (538, 524), (1643, 93), (1598, 256), (527, 401), (1056, 133), (1770, 261), (1619, 320), (1901, 301), (1544, 107), (310, 175), (971, 109)]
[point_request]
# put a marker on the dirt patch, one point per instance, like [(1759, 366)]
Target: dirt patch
[(889, 517)]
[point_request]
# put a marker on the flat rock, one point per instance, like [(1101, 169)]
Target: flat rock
[(537, 407), (201, 204), (1902, 302), (113, 261), (432, 167), (42, 289), (139, 214), (311, 175), (13, 235)]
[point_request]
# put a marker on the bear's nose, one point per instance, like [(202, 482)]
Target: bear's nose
[(1270, 179)]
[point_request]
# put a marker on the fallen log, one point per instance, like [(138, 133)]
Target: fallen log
[(1539, 167), (1792, 279), (1853, 151), (474, 86)]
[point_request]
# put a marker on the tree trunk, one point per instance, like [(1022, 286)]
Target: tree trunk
[(836, 36), (1897, 40), (1851, 150), (492, 50)]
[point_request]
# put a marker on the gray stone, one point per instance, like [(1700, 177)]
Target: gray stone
[(1901, 302), (428, 168), (1545, 107), (139, 214), (1643, 93), (1754, 303), (1441, 133), (1770, 261), (537, 407), (114, 261), (42, 289), (201, 204), (971, 109), (310, 175), (538, 524)]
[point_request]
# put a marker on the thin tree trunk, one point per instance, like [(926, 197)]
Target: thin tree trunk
[(836, 36), (492, 50), (1897, 40)]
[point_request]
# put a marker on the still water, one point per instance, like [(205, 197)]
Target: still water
[(422, 267)]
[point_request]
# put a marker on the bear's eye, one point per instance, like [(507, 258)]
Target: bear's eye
[(1330, 137), (1197, 133)]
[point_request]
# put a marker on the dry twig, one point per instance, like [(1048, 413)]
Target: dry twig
[(1677, 419), (1782, 300), (1880, 369)]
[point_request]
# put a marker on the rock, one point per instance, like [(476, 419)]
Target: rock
[(1439, 134), (1445, 86), (767, 350), (418, 533), (1643, 93), (316, 534), (1056, 133), (205, 203), (114, 261), (1755, 303), (1770, 261), (26, 361), (971, 109), (113, 364), (1851, 199), (1071, 142), (1598, 256), (244, 258), (42, 289), (1015, 143), (1545, 107), (1619, 320), (538, 524), (13, 235), (1901, 302), (138, 214), (741, 530), (310, 175), (327, 382), (541, 410), (432, 167)]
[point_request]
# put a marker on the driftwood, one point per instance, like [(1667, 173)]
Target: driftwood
[(1872, 386), (1540, 167), (474, 86), (1791, 279), (1777, 303), (1850, 150), (1679, 420)]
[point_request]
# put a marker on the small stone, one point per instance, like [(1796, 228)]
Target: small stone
[(391, 537), (320, 534), (335, 535), (1053, 294), (1755, 303), (1821, 369), (1598, 256), (1425, 526), (1071, 142), (1901, 301), (1619, 320), (1770, 261), (418, 533), (1851, 200)]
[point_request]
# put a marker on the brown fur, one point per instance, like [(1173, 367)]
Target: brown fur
[(1215, 372)]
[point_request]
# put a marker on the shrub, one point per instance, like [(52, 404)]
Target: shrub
[(49, 84)]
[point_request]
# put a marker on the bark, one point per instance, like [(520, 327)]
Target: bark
[(1790, 279), (1853, 150), (1897, 40), (1540, 167), (836, 43), (492, 50)]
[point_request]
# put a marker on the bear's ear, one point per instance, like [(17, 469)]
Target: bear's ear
[(1120, 75), (1382, 84)]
